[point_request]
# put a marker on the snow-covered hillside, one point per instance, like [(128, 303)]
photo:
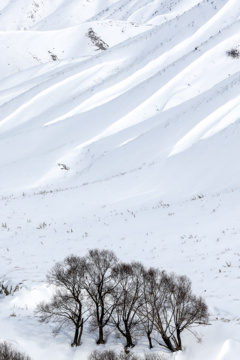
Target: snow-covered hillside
[(140, 101)]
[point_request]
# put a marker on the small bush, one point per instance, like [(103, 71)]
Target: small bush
[(107, 355), (7, 352), (6, 290), (233, 53), (154, 357), (128, 356), (112, 355)]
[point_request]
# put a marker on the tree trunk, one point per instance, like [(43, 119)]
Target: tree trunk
[(149, 340), (168, 343), (75, 341), (80, 334), (101, 338), (179, 339), (128, 337)]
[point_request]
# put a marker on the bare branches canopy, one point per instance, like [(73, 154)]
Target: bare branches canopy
[(127, 298)]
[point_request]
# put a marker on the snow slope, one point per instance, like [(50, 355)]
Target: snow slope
[(141, 102)]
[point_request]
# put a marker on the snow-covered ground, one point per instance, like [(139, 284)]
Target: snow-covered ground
[(141, 102)]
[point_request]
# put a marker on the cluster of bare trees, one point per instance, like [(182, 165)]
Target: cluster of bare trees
[(125, 297)]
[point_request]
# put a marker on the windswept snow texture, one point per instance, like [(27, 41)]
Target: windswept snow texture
[(141, 102)]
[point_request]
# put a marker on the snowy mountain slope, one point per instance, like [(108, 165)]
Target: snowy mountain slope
[(154, 82), (48, 14), (146, 117), (78, 42), (154, 12)]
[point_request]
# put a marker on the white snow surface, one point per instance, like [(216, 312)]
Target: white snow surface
[(148, 123)]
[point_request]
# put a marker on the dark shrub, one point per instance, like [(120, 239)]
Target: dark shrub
[(233, 53), (7, 352), (112, 355)]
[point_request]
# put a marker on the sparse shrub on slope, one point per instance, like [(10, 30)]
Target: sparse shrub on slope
[(7, 352), (233, 53), (7, 289)]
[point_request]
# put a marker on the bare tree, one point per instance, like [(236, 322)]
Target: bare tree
[(175, 309), (187, 309), (67, 305), (99, 285), (146, 312), (128, 297)]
